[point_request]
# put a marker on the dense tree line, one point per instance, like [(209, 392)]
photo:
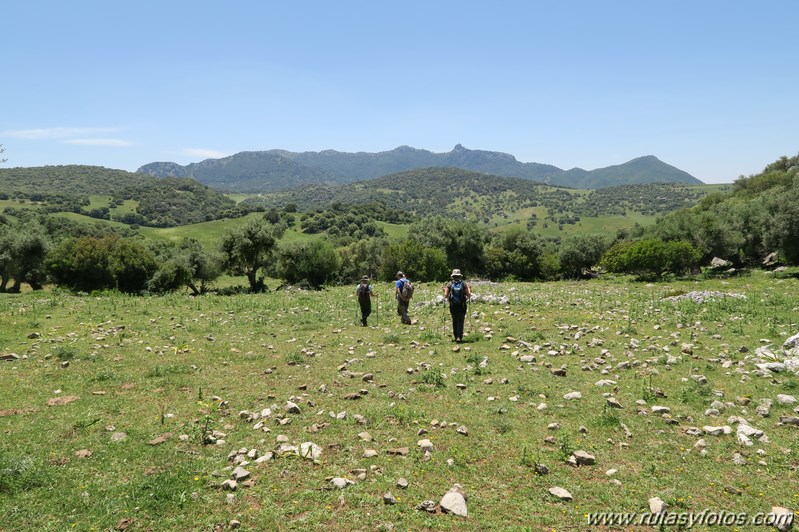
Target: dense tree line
[(758, 216)]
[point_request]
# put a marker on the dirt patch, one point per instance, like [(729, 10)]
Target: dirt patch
[(60, 401), (16, 412)]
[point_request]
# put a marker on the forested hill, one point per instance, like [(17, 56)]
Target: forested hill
[(640, 171), (463, 193), (264, 171), (115, 194)]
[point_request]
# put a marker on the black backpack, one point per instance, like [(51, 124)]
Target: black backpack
[(456, 293), (363, 292)]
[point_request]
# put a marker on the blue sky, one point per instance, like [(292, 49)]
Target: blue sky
[(711, 87)]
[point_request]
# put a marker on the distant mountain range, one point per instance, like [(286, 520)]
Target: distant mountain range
[(266, 171)]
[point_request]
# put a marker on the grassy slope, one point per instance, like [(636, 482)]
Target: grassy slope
[(177, 358)]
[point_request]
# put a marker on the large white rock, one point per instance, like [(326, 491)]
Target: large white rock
[(310, 450), (453, 503), (560, 493), (784, 399)]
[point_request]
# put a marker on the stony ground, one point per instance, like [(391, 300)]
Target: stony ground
[(279, 411)]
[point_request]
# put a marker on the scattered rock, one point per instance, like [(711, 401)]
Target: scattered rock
[(427, 506), (453, 502), (784, 399), (340, 482), (83, 453), (782, 518), (612, 402), (583, 458), (656, 505), (158, 440), (389, 499), (561, 493), (400, 451), (571, 396)]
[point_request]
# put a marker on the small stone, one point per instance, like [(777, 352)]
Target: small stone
[(310, 450), (264, 458), (425, 445), (340, 482), (584, 458), (389, 499), (239, 473), (229, 485), (365, 436), (782, 518), (369, 453), (561, 493), (160, 439), (402, 483), (83, 453), (571, 396), (119, 437), (234, 523), (400, 451), (292, 408), (230, 498), (657, 505), (612, 402), (427, 506)]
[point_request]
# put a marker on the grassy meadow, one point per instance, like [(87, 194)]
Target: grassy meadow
[(109, 412)]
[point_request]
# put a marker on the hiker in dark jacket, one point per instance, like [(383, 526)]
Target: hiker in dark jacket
[(365, 294), (403, 297), (458, 293)]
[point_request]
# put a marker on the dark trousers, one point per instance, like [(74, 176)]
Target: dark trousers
[(402, 310), (458, 313), (366, 310)]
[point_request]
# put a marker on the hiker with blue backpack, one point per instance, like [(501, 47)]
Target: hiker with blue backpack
[(457, 293), (404, 293)]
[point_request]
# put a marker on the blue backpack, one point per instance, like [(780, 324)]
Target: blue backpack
[(456, 295)]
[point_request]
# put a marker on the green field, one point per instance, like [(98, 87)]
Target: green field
[(108, 411)]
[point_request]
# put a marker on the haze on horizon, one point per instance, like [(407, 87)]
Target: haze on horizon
[(706, 87)]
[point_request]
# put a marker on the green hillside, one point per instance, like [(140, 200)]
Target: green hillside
[(492, 200), (116, 195)]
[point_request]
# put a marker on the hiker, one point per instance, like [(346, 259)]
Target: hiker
[(458, 293), (404, 293), (365, 294)]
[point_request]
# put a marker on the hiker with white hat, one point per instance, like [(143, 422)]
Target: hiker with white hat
[(458, 293)]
